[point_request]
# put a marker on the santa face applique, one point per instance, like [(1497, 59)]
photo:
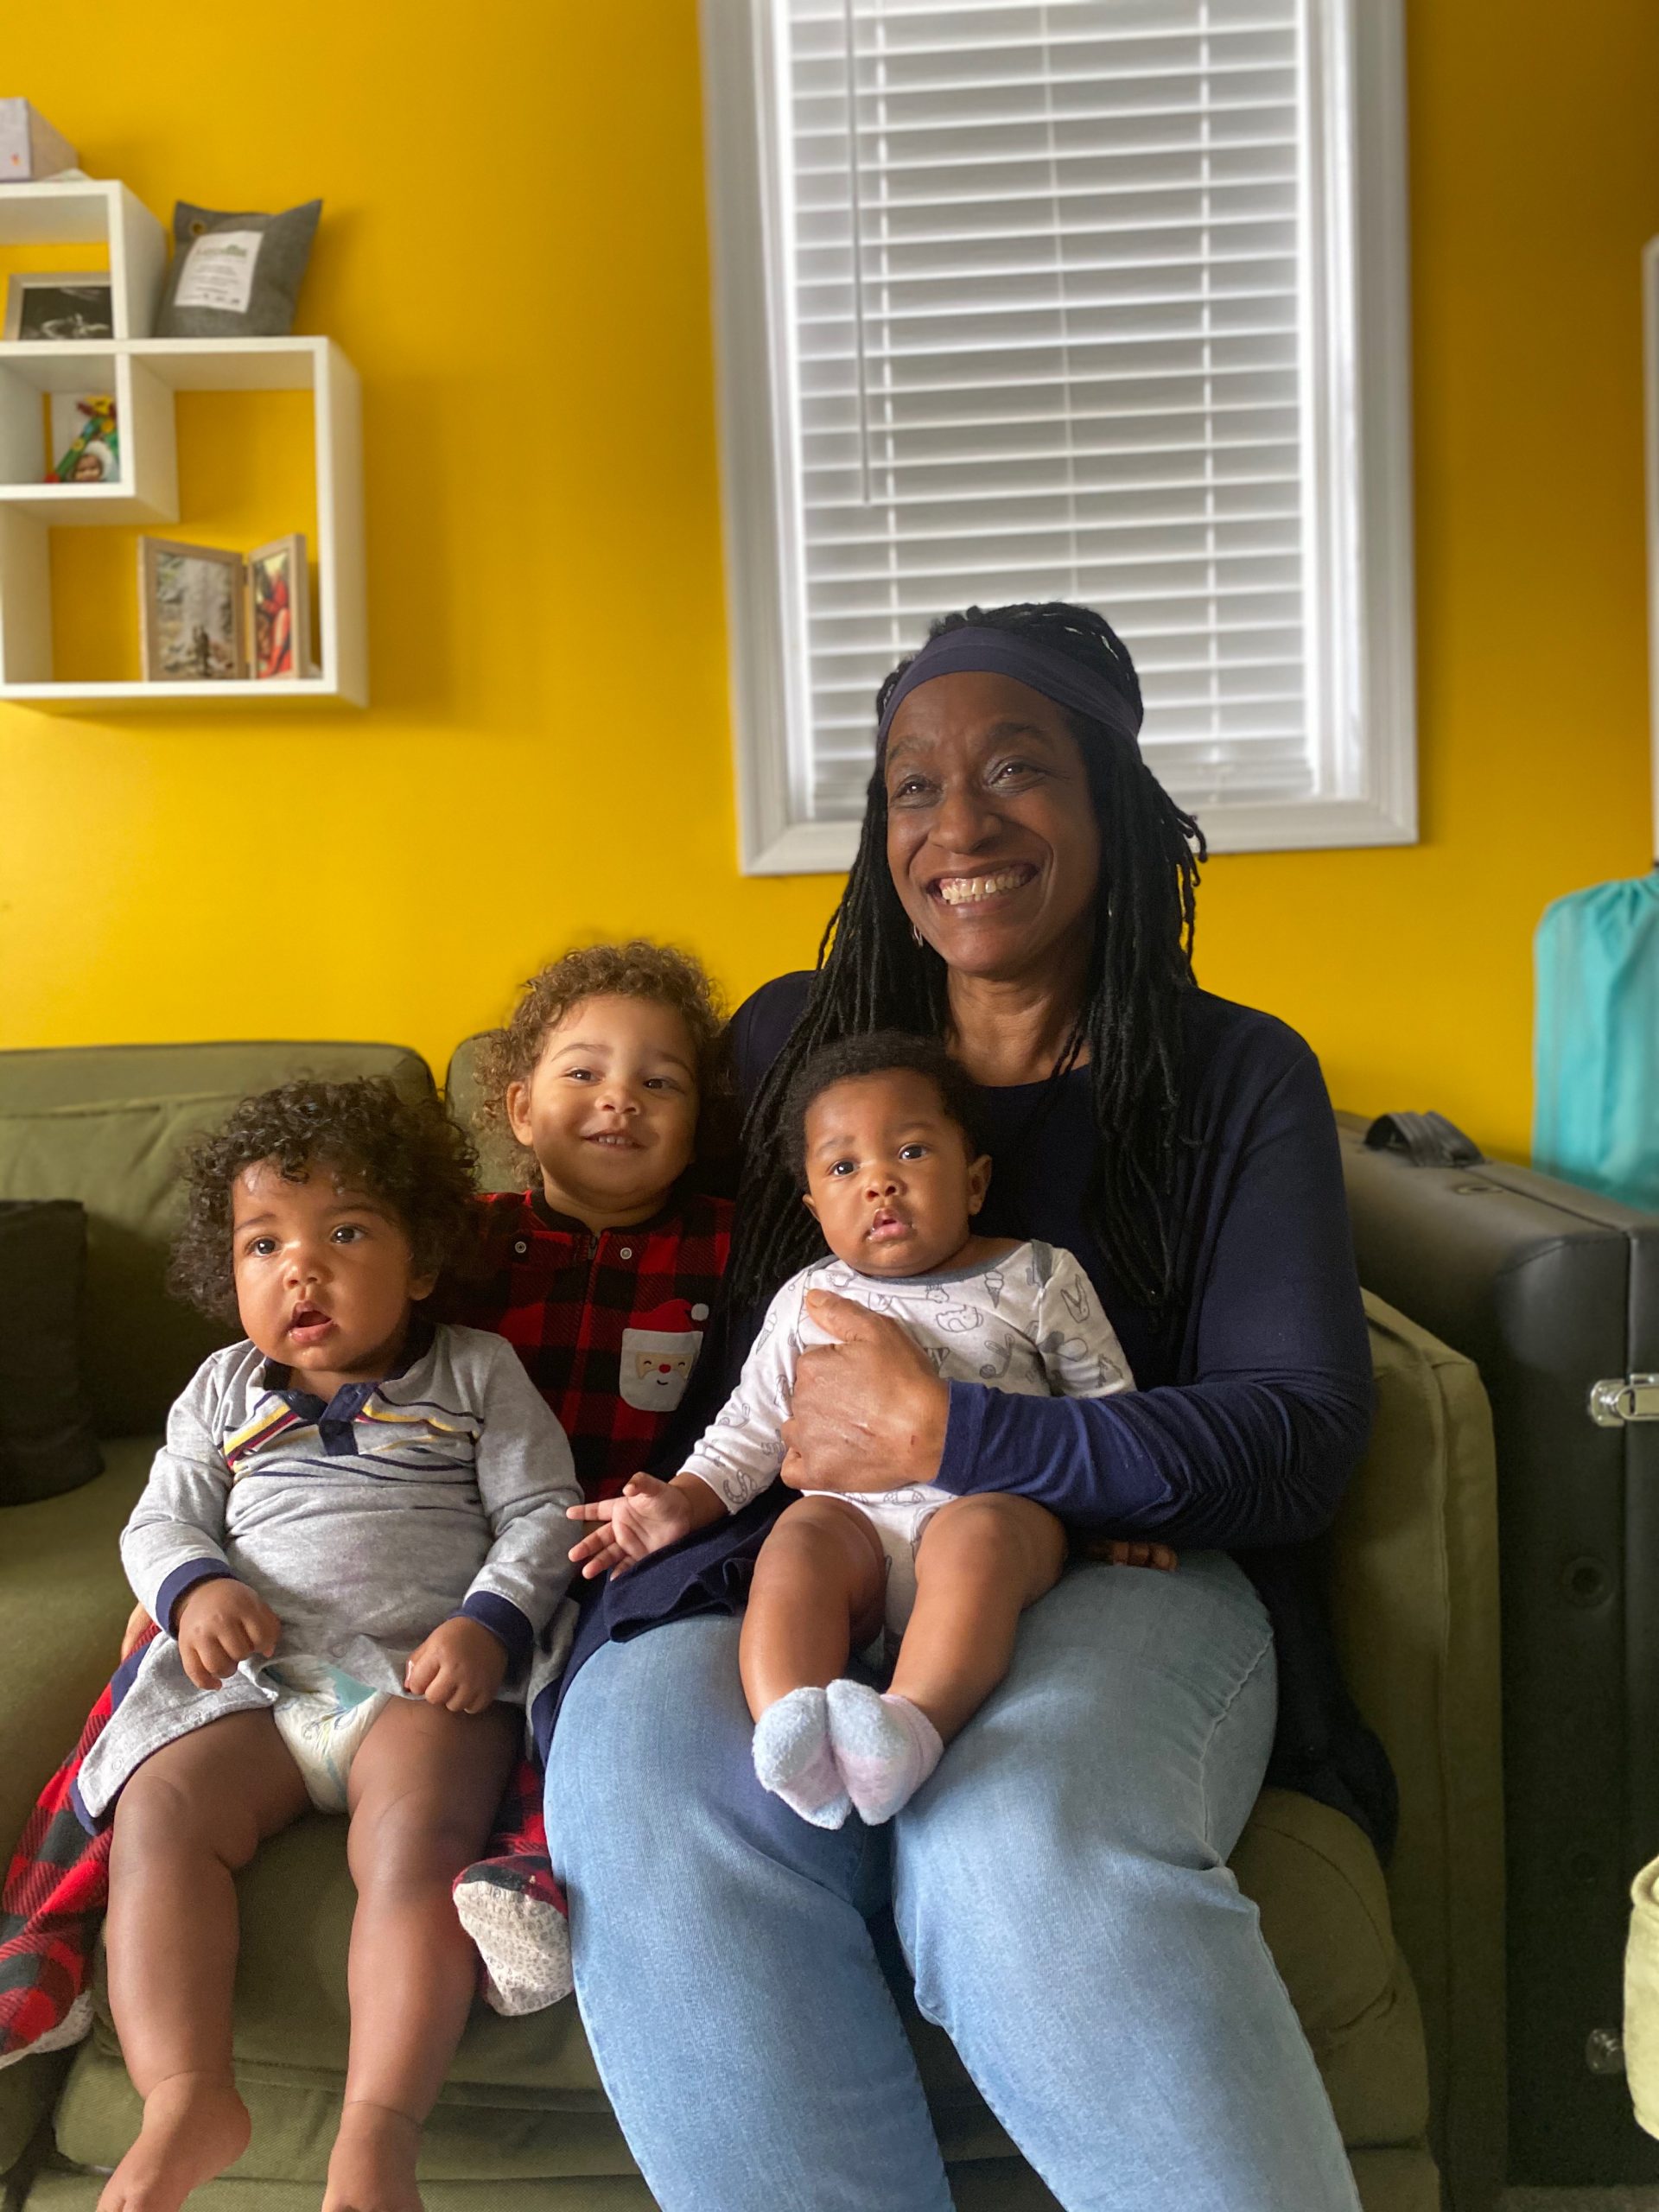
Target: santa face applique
[(658, 1355)]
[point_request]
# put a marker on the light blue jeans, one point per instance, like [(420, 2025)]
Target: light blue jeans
[(1059, 1889)]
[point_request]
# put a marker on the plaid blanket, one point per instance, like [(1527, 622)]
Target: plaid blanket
[(53, 1903)]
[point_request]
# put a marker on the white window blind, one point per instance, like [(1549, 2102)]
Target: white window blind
[(1060, 300)]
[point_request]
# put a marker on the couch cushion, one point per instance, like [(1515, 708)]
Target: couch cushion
[(523, 2098), (47, 1443), (499, 1167), (106, 1125), (1414, 1598), (62, 1600)]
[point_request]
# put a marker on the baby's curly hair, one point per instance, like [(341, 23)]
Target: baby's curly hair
[(407, 1153), (881, 1051), (636, 970)]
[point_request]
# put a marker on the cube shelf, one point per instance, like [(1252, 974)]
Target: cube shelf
[(144, 374)]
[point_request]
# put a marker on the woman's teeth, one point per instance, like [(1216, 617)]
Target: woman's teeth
[(963, 890)]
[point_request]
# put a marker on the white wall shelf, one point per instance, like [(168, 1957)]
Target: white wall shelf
[(144, 374)]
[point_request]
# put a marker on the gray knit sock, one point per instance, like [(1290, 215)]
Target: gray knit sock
[(792, 1758)]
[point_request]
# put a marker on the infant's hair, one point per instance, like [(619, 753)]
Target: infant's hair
[(879, 1051), (405, 1152), (636, 969)]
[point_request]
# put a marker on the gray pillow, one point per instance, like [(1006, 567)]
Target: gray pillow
[(47, 1443), (235, 275)]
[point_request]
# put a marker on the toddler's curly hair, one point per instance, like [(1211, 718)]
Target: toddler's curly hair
[(635, 969), (405, 1152)]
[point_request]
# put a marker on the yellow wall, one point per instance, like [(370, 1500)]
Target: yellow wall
[(513, 253)]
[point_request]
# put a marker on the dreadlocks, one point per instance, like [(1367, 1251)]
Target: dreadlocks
[(872, 975)]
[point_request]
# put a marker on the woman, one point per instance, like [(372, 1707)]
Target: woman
[(1023, 888)]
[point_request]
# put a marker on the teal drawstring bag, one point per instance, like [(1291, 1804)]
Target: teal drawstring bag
[(1596, 1040)]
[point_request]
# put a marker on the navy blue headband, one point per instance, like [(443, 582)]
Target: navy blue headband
[(981, 651)]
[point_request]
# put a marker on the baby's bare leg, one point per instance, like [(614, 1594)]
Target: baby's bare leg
[(192, 1815), (982, 1560), (817, 1590), (424, 1790), (816, 1595)]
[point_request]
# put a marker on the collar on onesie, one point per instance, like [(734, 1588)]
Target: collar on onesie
[(334, 1417)]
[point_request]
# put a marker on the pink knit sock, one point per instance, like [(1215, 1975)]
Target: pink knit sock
[(885, 1747)]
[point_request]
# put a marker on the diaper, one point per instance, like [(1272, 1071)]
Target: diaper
[(899, 1518), (322, 1715)]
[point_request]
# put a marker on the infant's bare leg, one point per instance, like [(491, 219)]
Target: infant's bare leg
[(982, 1560), (816, 1595), (424, 1790), (193, 1813)]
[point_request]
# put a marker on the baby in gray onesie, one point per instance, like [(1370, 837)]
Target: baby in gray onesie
[(893, 1176), (353, 1542)]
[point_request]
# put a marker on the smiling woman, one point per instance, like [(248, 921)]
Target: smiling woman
[(1024, 892)]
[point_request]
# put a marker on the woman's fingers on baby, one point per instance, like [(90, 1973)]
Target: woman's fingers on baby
[(1119, 1551), (791, 1471)]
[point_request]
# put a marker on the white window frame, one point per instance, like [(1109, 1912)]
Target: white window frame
[(1361, 495)]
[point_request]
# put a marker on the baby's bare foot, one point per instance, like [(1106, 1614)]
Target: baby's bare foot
[(372, 2167), (195, 2127)]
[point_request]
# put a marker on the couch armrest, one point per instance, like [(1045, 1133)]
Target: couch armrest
[(63, 1599), (1415, 1606)]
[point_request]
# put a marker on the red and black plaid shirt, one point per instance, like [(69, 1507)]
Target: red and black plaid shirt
[(608, 1325)]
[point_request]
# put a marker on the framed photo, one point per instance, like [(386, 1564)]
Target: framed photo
[(279, 609), (77, 307), (191, 600), (85, 447)]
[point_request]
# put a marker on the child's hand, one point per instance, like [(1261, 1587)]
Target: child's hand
[(219, 1625), (1116, 1553), (459, 1666), (137, 1622), (647, 1517)]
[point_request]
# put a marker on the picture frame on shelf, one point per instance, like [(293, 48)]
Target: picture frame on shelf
[(191, 604), (83, 446), (72, 306), (279, 610)]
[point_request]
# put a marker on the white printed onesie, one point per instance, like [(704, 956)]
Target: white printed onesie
[(1029, 1322)]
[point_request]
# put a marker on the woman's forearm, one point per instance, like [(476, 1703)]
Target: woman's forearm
[(1235, 1463)]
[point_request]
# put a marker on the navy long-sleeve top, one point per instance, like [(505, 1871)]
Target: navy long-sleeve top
[(1253, 1398)]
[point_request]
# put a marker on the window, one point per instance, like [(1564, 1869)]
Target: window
[(1099, 300)]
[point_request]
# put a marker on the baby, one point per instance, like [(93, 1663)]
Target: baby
[(353, 1540), (894, 1175)]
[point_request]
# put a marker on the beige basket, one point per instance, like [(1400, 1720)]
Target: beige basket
[(1642, 1998)]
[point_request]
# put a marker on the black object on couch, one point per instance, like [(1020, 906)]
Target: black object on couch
[(1554, 1291)]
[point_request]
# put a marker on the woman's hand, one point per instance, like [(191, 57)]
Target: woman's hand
[(869, 1412), (1118, 1551), (219, 1625), (460, 1667), (138, 1625)]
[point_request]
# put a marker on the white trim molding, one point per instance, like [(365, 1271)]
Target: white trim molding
[(1354, 683)]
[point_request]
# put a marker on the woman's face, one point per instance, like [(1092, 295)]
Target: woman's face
[(992, 837)]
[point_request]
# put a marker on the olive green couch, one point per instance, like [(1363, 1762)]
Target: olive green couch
[(1398, 1980)]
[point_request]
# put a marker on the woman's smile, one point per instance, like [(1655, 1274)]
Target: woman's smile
[(982, 889)]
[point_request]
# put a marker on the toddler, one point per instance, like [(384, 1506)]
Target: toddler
[(353, 1540), (600, 1270), (883, 1130)]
